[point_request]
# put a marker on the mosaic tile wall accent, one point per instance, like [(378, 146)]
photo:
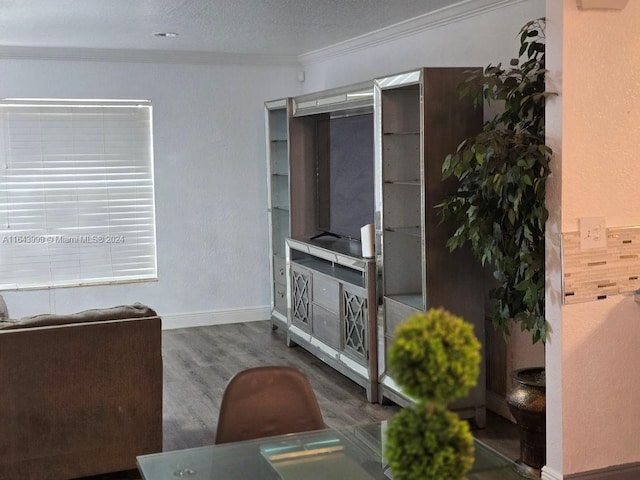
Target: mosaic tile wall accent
[(596, 274)]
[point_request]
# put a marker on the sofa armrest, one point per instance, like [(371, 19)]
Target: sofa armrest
[(79, 399)]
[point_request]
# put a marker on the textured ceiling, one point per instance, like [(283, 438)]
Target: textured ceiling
[(276, 27)]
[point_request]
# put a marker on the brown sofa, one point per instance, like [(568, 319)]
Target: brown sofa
[(80, 394)]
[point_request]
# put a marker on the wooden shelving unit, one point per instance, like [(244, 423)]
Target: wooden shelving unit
[(419, 120)]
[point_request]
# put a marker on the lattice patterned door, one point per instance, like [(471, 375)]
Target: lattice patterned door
[(354, 308), (300, 304)]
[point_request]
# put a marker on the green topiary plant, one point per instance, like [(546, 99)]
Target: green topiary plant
[(429, 443), (435, 358)]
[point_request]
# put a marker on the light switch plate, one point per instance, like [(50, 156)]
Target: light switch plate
[(593, 233)]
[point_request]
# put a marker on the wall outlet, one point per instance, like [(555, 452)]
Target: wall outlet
[(593, 233)]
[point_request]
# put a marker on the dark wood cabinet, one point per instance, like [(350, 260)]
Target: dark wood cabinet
[(394, 133), (420, 118)]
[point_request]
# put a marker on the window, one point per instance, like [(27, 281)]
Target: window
[(76, 193)]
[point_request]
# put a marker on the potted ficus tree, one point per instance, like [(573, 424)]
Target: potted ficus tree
[(499, 205)]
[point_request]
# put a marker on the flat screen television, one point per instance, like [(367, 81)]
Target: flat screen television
[(346, 176)]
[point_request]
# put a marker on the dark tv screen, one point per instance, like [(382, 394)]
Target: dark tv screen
[(351, 190)]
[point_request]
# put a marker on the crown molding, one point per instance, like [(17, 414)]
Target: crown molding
[(186, 57), (444, 16)]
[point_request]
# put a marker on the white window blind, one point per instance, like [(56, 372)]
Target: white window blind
[(76, 193)]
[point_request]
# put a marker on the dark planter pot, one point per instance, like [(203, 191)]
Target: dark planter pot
[(527, 404)]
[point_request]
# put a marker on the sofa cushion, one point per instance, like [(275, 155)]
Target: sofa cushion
[(137, 310)]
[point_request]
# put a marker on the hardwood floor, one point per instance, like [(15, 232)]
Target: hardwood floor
[(199, 361)]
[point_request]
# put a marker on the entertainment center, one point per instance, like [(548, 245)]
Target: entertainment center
[(369, 153)]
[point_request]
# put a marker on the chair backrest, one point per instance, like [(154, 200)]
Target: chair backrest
[(267, 401)]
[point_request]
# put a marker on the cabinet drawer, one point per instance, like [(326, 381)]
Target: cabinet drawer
[(326, 325), (280, 298), (279, 270), (326, 292), (395, 313)]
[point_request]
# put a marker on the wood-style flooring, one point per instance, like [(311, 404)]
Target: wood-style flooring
[(199, 361)]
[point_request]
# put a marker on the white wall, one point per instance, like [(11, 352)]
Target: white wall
[(474, 41), (593, 126), (553, 306), (210, 176)]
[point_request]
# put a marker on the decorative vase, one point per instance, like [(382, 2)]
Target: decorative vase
[(527, 404)]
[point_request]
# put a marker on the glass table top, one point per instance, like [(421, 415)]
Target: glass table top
[(351, 453)]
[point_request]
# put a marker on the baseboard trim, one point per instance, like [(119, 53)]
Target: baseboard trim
[(629, 471), (550, 474), (218, 317)]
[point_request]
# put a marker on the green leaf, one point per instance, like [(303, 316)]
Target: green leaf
[(499, 204)]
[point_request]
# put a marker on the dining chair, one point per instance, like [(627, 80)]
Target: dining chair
[(267, 401)]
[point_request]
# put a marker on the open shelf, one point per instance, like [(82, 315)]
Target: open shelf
[(413, 300), (410, 231), (331, 269)]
